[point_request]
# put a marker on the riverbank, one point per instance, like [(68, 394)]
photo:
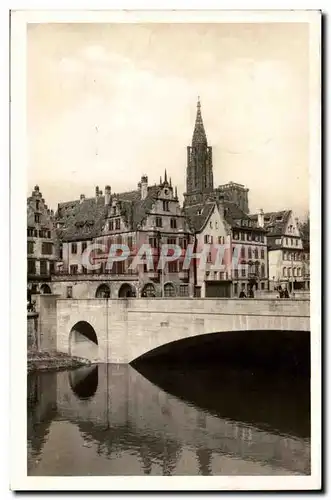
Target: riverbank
[(53, 360)]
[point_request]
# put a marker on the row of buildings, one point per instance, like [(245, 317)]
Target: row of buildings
[(271, 248)]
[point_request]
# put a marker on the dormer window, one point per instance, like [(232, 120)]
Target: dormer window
[(199, 212), (117, 223), (37, 218)]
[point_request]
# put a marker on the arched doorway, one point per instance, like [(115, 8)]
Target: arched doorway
[(169, 290), (84, 381), (103, 292), (83, 341), (44, 289), (126, 290), (148, 290)]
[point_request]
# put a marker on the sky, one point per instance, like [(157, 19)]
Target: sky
[(108, 103)]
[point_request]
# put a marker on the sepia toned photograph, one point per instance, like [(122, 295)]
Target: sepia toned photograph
[(167, 196)]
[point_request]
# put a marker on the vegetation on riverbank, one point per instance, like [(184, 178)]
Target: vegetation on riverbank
[(53, 360)]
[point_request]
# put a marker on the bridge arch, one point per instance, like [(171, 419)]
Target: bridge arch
[(126, 290), (83, 341), (103, 292)]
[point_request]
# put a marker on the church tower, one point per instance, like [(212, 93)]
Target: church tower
[(199, 172)]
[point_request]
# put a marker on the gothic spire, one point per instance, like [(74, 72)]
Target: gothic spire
[(199, 134), (170, 182), (165, 176)]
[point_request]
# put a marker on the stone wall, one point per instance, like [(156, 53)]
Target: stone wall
[(47, 321), (32, 330)]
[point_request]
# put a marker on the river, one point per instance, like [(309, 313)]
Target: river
[(114, 420)]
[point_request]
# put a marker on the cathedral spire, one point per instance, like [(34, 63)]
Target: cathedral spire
[(199, 134)]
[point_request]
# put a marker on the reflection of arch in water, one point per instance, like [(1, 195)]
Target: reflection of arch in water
[(84, 381), (83, 341), (103, 292), (44, 289), (126, 290)]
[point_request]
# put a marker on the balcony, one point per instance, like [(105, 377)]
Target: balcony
[(97, 275)]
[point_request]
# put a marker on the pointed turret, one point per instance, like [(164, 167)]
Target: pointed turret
[(170, 182), (165, 177), (199, 134)]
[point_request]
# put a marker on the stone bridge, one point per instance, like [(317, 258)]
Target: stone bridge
[(122, 330)]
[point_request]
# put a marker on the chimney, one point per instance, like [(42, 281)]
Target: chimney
[(144, 186), (82, 198), (107, 195), (97, 192), (260, 218)]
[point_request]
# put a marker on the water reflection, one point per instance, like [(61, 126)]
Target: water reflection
[(112, 420)]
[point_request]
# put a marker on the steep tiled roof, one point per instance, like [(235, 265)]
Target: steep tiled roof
[(274, 222), (198, 215), (84, 219)]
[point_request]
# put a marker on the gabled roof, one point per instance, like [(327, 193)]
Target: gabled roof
[(198, 215), (275, 223), (85, 219)]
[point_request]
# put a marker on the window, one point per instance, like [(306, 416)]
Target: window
[(152, 242), (249, 237), (221, 240), (173, 223), (294, 271), (169, 290), (158, 222), (35, 233), (117, 223), (37, 204), (166, 206), (262, 286), (206, 238), (235, 236), (236, 274), (249, 252), (74, 269), (286, 241), (119, 267), (211, 224), (235, 289), (31, 266), (69, 292), (289, 272), (172, 267), (172, 241), (262, 270), (216, 225), (284, 255), (296, 243), (262, 253), (243, 252), (47, 248), (37, 218), (284, 272), (130, 242), (51, 267), (299, 271), (48, 234), (183, 243), (256, 253), (30, 232), (148, 291), (111, 225), (243, 273), (183, 290), (43, 267), (222, 275), (209, 258), (291, 241), (30, 246), (74, 248), (84, 246)]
